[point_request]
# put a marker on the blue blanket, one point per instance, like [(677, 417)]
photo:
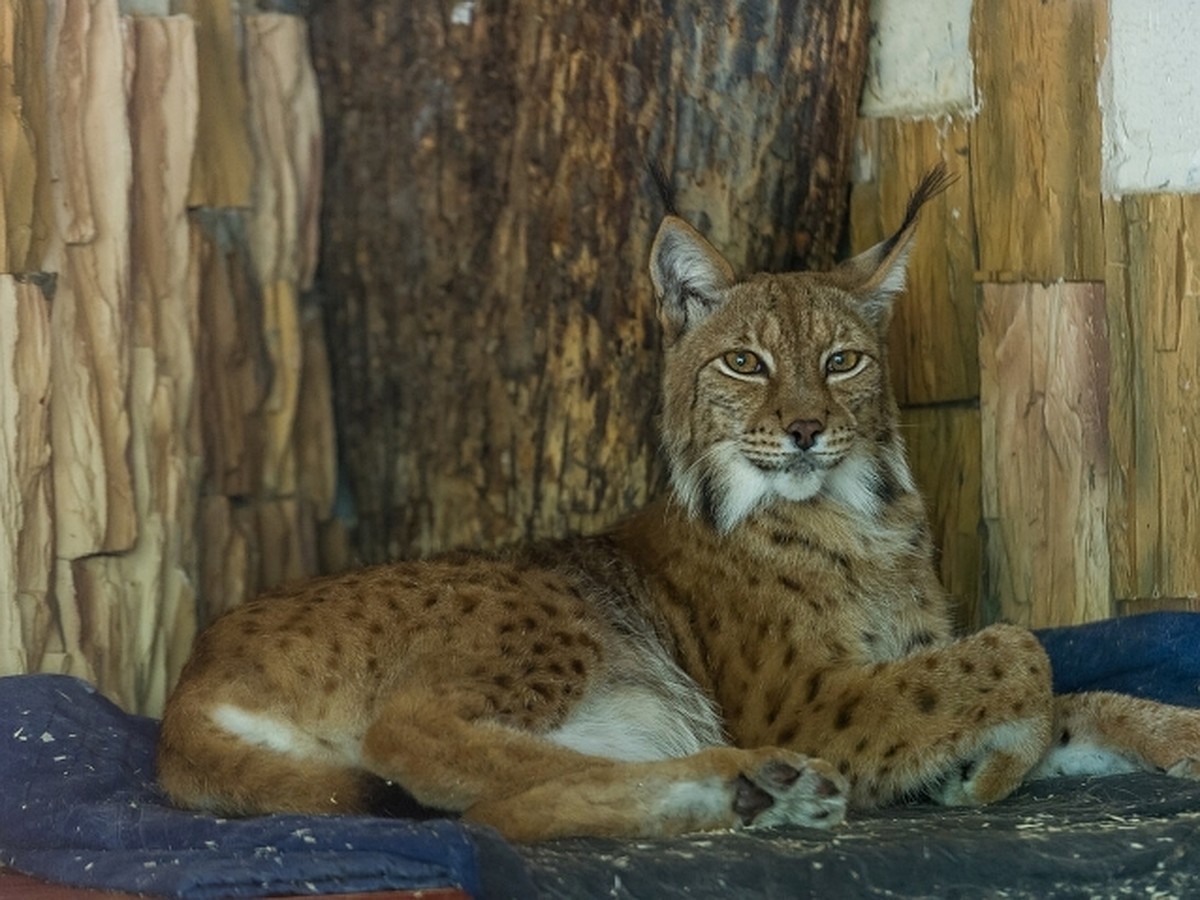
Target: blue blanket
[(78, 803), (1156, 655)]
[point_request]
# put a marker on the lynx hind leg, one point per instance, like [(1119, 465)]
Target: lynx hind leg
[(1105, 734), (204, 767), (440, 747)]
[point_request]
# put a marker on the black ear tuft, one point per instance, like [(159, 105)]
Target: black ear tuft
[(934, 182), (663, 186), (876, 276)]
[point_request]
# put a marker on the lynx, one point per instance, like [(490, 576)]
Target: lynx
[(768, 644)]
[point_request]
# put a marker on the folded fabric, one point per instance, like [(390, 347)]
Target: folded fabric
[(1155, 655)]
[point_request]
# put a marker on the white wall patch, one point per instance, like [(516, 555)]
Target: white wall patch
[(1150, 98), (920, 59)]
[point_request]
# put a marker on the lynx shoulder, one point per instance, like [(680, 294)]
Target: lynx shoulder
[(781, 597)]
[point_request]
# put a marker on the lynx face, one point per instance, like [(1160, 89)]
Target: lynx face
[(776, 387), (780, 393)]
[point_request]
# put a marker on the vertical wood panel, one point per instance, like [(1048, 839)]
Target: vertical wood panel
[(285, 356), (285, 533), (142, 604), (26, 524), (1154, 277), (90, 158), (285, 135), (251, 546), (1034, 157), (68, 641), (943, 446), (232, 358), (224, 165), (228, 566), (265, 397), (1122, 483), (315, 434), (933, 341), (1044, 407), (1035, 145), (25, 213)]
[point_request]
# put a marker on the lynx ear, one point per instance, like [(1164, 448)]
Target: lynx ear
[(878, 275), (689, 276)]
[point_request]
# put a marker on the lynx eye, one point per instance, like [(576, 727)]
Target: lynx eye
[(842, 361), (744, 362)]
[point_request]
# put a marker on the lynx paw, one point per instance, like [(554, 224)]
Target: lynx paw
[(1005, 755), (788, 789), (985, 779), (1188, 767)]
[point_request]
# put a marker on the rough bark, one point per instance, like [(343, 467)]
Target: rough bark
[(223, 167), (488, 215), (140, 605)]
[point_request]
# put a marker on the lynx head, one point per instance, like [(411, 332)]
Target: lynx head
[(775, 387)]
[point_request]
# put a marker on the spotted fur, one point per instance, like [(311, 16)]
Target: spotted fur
[(781, 597)]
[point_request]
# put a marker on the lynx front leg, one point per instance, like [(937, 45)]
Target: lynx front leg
[(716, 789), (1105, 734), (441, 748), (964, 722), (1018, 705)]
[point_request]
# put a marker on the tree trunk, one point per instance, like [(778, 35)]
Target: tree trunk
[(489, 210)]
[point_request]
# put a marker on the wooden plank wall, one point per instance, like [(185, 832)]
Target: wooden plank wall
[(166, 430), (1153, 288), (1047, 355)]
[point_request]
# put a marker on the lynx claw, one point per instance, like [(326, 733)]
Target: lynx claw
[(791, 790)]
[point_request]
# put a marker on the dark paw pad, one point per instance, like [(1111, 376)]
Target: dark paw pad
[(749, 800), (779, 774), (828, 788)]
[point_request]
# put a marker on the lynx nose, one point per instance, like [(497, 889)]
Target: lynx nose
[(804, 432)]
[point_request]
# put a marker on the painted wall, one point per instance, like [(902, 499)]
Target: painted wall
[(920, 61)]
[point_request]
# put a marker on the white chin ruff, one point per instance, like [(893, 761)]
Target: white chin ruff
[(741, 489), (852, 483), (735, 487), (798, 487)]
